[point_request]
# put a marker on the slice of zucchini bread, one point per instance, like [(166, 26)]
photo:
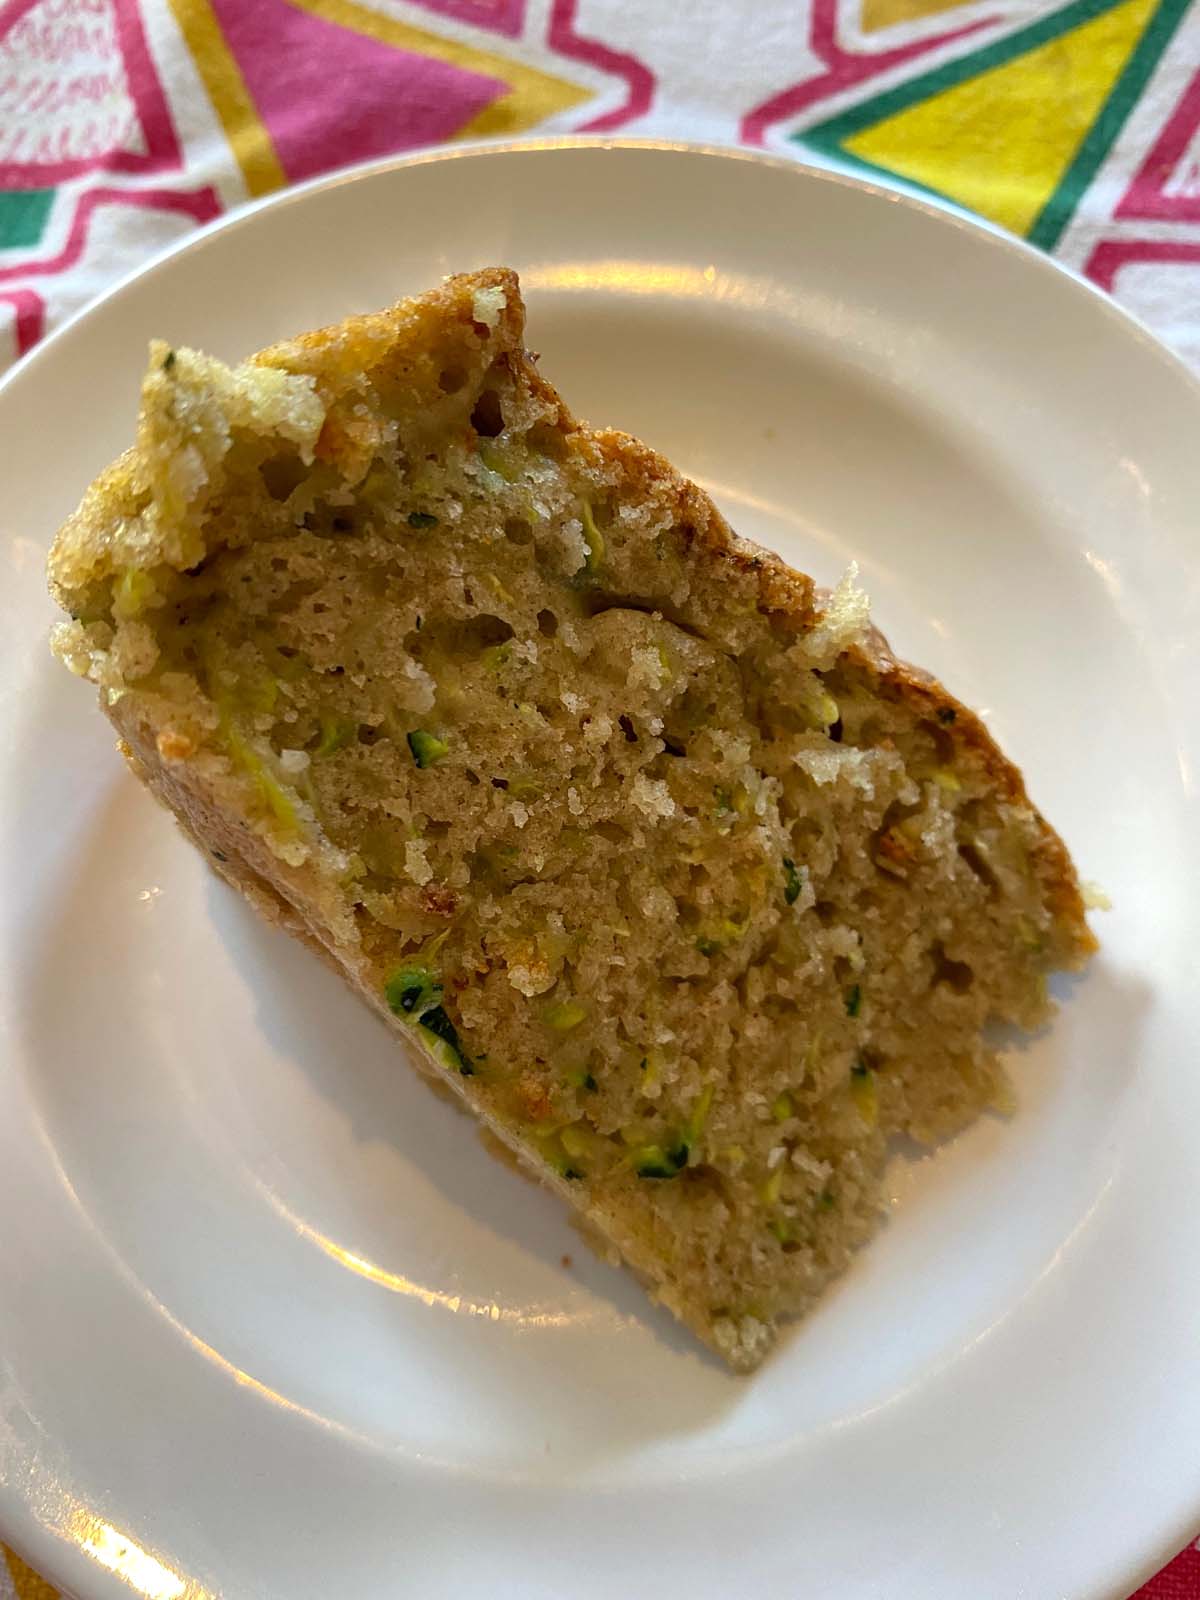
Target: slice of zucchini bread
[(692, 892)]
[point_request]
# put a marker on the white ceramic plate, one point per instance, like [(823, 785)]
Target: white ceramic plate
[(272, 1325)]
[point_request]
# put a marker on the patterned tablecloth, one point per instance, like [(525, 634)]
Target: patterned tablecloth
[(125, 124)]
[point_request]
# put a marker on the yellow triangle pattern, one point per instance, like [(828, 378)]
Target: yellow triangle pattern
[(878, 14), (1000, 143)]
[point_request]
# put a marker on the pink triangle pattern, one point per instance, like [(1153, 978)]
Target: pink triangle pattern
[(130, 130), (296, 65), (1171, 157), (1112, 255), (505, 17), (640, 81), (28, 317)]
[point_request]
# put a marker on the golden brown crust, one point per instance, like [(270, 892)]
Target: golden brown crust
[(789, 598), (927, 697)]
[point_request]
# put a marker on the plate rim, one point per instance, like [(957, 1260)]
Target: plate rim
[(39, 1546), (946, 212)]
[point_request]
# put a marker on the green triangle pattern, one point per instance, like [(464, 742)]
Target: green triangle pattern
[(23, 217), (828, 135)]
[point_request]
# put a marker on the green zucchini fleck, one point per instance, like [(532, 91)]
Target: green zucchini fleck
[(443, 1036), (652, 1161), (864, 1092), (412, 989), (336, 733), (422, 519), (596, 548), (791, 881), (426, 747), (695, 1123), (564, 1015), (496, 656), (854, 1000), (133, 594)]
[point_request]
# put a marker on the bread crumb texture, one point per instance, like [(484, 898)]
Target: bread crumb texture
[(682, 882)]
